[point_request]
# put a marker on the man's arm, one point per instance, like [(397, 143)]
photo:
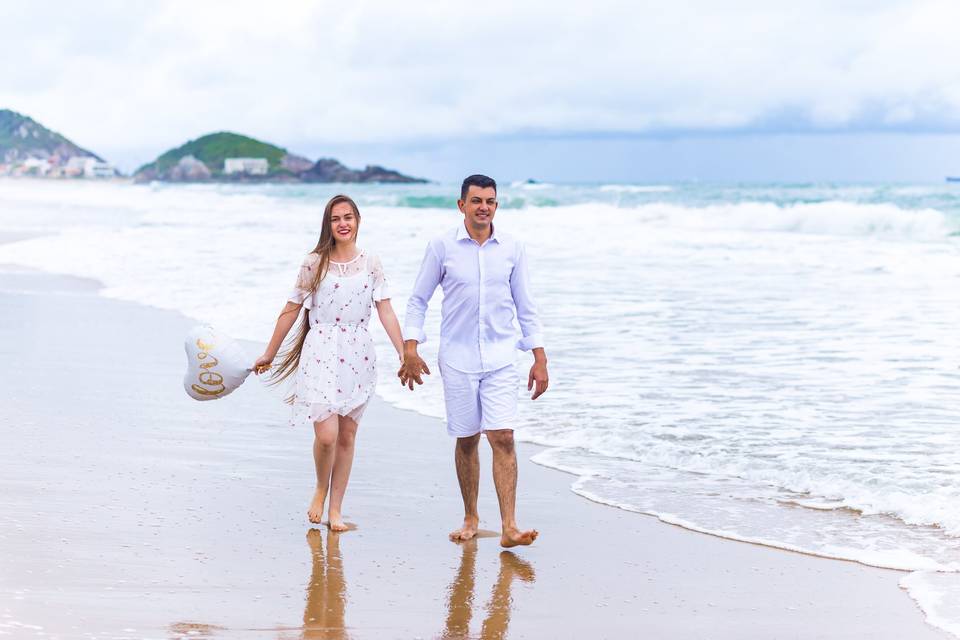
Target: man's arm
[(529, 320), (426, 283)]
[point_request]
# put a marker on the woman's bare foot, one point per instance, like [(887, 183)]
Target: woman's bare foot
[(467, 531), (336, 522), (514, 537), (315, 512)]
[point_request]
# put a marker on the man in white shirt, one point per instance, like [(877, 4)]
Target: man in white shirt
[(486, 288)]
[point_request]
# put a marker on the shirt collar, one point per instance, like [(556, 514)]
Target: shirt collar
[(463, 235)]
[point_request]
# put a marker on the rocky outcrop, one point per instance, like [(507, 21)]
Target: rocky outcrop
[(189, 169), (295, 164), (376, 173), (330, 170)]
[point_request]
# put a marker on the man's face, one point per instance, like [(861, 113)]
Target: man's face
[(479, 206)]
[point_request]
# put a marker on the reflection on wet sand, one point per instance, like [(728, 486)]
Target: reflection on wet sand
[(461, 592), (183, 630), (326, 591)]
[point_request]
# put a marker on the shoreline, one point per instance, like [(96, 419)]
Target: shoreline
[(200, 509), (673, 521)]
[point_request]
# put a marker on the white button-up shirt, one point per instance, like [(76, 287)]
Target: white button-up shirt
[(486, 292)]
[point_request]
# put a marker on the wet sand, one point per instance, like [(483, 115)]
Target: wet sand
[(128, 510)]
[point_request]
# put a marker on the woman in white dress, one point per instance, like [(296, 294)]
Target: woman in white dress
[(332, 353)]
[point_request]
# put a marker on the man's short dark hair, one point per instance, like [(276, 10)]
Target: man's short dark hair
[(476, 180)]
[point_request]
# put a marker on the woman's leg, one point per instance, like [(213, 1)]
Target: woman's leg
[(341, 471), (324, 450)]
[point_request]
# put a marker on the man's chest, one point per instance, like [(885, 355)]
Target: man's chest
[(475, 267)]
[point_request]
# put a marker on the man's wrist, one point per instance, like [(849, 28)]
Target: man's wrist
[(539, 356), (410, 347)]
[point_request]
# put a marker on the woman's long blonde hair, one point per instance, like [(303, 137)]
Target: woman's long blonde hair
[(293, 346)]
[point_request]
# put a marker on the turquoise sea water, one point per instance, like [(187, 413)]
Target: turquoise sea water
[(944, 197)]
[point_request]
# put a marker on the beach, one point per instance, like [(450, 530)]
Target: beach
[(740, 268), (131, 511)]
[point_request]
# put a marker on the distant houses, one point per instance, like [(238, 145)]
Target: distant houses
[(246, 166), (80, 167), (53, 167), (28, 149), (98, 169)]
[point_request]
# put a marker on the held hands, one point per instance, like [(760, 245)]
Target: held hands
[(412, 367), (262, 364)]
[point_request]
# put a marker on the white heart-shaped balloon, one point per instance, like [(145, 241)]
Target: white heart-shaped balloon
[(216, 365)]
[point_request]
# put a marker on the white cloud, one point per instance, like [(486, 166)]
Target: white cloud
[(116, 76)]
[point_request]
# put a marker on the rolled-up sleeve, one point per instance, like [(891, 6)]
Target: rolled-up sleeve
[(423, 288), (527, 314), (306, 280), (381, 291)]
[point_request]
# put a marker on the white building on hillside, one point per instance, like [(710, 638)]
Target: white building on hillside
[(86, 167), (76, 166), (35, 166), (248, 166), (93, 168)]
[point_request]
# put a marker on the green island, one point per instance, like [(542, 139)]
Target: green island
[(231, 157)]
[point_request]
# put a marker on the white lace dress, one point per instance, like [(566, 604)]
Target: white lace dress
[(338, 364)]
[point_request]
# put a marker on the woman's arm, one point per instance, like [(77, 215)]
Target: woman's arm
[(288, 316), (390, 324)]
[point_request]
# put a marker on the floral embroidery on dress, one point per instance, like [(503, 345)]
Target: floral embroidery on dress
[(334, 361)]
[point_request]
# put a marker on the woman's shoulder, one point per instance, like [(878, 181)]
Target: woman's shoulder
[(311, 259), (371, 257), (373, 264)]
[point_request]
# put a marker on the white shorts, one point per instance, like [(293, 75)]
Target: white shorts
[(479, 401)]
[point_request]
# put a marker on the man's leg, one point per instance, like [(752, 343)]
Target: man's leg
[(467, 457), (505, 480), (498, 408), (463, 417), (324, 442)]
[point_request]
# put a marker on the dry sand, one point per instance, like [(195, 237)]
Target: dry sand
[(128, 510)]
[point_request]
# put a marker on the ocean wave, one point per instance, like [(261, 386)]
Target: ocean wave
[(532, 186), (897, 561), (449, 203), (636, 188), (703, 506), (934, 507), (938, 596), (835, 218), (427, 202)]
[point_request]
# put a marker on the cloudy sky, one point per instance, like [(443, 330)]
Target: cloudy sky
[(605, 90)]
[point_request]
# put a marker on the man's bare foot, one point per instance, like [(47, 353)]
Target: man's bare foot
[(514, 537), (467, 531), (336, 522), (315, 512)]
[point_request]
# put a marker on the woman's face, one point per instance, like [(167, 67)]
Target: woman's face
[(343, 222)]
